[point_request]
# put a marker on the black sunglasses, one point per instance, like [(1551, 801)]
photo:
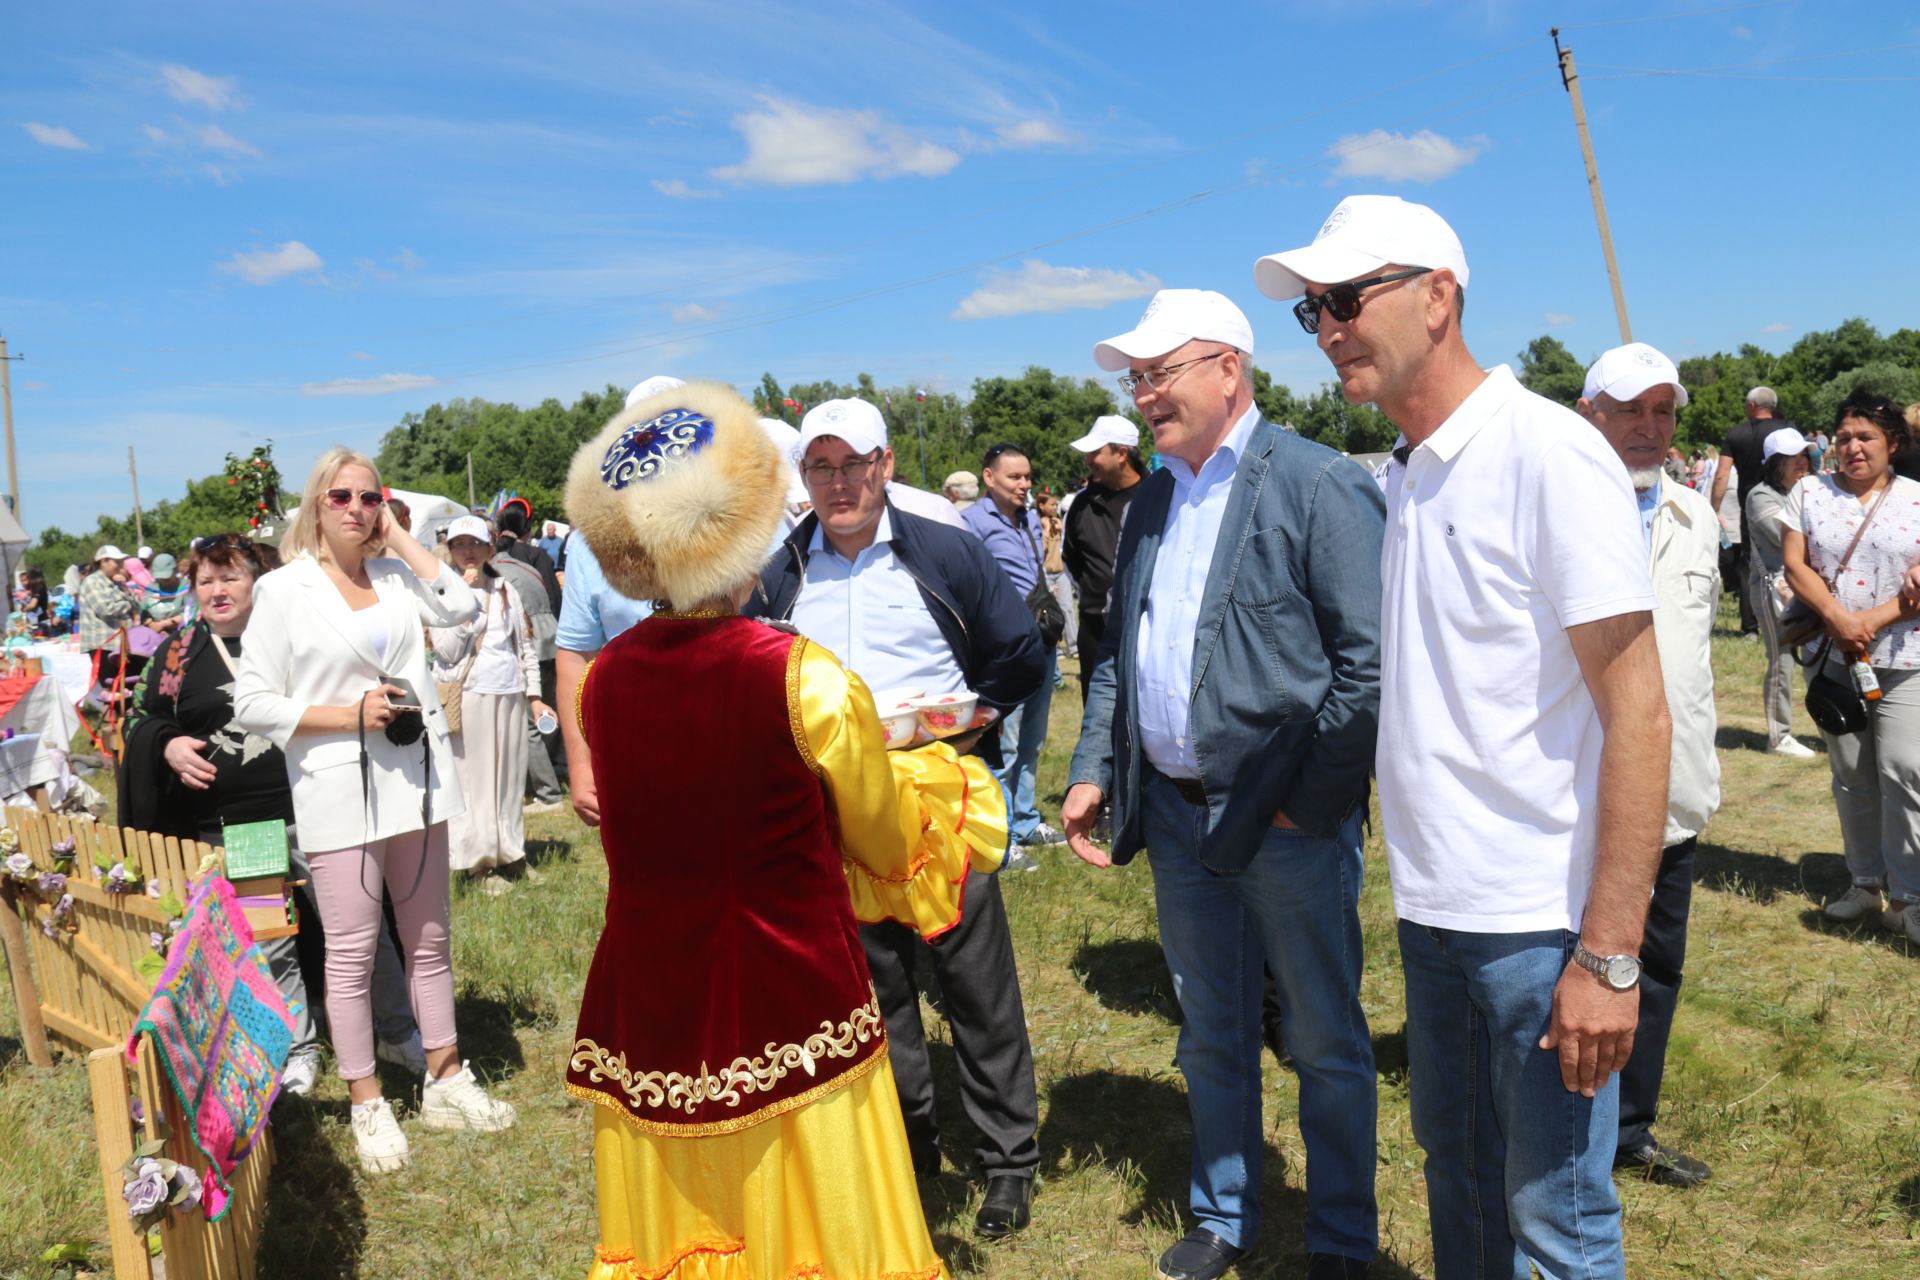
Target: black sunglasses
[(1343, 300)]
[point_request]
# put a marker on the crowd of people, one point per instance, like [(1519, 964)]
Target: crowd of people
[(1504, 632)]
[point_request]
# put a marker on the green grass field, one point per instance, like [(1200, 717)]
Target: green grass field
[(1794, 1071)]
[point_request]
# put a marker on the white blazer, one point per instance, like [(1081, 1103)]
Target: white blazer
[(306, 648)]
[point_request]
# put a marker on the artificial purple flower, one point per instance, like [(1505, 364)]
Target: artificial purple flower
[(146, 1190), (138, 1110), (157, 942), (46, 927), (153, 889), (52, 884), (185, 1177), (63, 846), (119, 879), (19, 865)]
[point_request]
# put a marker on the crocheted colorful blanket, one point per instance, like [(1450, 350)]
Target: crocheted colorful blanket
[(222, 1029)]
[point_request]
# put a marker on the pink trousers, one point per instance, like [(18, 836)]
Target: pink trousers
[(346, 885)]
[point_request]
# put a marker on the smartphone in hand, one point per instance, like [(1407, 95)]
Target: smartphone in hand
[(407, 700)]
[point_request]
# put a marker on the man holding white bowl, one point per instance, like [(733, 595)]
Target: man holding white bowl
[(920, 611)]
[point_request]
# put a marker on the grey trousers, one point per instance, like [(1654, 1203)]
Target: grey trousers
[(1876, 787), (1776, 690)]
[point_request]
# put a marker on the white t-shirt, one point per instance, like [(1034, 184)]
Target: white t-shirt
[(496, 665), (1511, 523)]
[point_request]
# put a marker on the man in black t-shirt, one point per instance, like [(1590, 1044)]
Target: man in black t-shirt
[(1093, 526), (1742, 453)]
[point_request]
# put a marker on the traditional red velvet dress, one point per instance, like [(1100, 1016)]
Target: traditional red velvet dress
[(729, 1031)]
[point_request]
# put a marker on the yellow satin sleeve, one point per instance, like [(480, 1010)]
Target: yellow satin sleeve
[(911, 822)]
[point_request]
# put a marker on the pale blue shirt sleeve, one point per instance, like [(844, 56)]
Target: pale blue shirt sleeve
[(591, 611)]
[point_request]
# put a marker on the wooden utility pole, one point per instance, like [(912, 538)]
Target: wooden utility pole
[(6, 400), (470, 498), (133, 469), (1570, 81)]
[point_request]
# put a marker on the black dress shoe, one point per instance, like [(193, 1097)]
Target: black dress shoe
[(1663, 1165), (1201, 1256), (1004, 1211), (1335, 1266)]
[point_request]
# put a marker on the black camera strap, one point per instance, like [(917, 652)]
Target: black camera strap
[(426, 805)]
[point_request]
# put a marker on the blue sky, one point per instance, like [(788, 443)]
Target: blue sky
[(227, 222)]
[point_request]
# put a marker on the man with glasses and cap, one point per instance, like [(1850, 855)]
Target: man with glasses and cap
[(1092, 535), (1633, 395), (1523, 749), (1230, 722), (907, 603)]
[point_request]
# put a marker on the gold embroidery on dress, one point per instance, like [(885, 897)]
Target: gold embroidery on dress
[(733, 1083), (793, 705), (580, 697)]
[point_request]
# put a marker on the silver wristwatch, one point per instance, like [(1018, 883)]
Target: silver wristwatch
[(1622, 973)]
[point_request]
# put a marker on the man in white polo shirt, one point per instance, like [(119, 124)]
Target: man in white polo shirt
[(1633, 395), (1522, 756)]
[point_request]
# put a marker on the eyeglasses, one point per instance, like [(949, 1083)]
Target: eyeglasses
[(341, 499), (820, 475), (1343, 300), (1159, 379), (238, 542)]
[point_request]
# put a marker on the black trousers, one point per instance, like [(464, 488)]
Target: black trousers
[(1663, 955), (981, 996), (1093, 627)]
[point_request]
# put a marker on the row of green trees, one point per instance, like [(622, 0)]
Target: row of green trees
[(935, 433)]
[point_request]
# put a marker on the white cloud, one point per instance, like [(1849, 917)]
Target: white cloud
[(1034, 133), (155, 134), (694, 313), (1740, 31), (35, 385), (789, 145), (385, 384), (1424, 156), (215, 93), (408, 260), (361, 355), (52, 135), (264, 266), (1554, 319), (1776, 327), (1038, 287), (677, 189), (222, 175), (214, 138)]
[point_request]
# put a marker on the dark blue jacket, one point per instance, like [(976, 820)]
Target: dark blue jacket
[(986, 624), (1286, 659)]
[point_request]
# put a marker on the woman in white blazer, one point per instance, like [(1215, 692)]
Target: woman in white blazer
[(336, 638)]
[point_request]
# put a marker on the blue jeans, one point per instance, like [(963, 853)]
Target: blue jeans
[(1023, 731), (1295, 907), (1519, 1167)]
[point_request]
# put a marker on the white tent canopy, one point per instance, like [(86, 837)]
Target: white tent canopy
[(13, 545)]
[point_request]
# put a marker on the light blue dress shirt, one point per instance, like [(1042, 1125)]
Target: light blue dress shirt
[(1649, 500), (1163, 664), (868, 612), (591, 611)]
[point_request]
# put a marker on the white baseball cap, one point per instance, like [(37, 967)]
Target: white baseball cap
[(146, 552), (1783, 442), (469, 527), (855, 421), (1108, 429), (109, 552), (1172, 319), (652, 387), (1360, 236), (1628, 372)]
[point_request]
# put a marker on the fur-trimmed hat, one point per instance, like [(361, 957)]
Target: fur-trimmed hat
[(679, 495)]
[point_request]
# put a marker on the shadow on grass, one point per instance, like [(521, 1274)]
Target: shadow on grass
[(316, 1225), (1907, 1196), (1128, 975), (1733, 738), (1765, 877), (1390, 1054), (1867, 932), (487, 1038), (542, 850), (1140, 1129)]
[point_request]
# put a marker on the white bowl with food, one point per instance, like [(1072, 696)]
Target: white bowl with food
[(947, 714)]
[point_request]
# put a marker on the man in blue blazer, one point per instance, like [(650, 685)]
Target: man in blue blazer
[(1230, 721)]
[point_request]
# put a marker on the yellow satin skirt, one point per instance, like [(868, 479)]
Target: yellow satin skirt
[(824, 1192)]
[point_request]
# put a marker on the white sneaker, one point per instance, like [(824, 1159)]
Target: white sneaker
[(383, 1148), (407, 1053), (494, 885), (301, 1073), (1792, 748), (543, 806), (1894, 918), (1856, 904), (458, 1102)]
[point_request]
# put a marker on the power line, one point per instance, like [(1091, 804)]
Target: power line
[(1670, 17)]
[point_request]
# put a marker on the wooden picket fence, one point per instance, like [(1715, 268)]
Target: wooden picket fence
[(82, 987)]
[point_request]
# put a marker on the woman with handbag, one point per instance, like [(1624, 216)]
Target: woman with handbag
[(1770, 513), (335, 653), (484, 670), (1859, 536)]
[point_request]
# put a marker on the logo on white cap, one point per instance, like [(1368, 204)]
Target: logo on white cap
[(1362, 235)]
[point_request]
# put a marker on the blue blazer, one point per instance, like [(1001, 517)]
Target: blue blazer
[(1286, 658)]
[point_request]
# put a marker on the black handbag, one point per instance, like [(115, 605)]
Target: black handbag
[(1041, 602), (1835, 705)]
